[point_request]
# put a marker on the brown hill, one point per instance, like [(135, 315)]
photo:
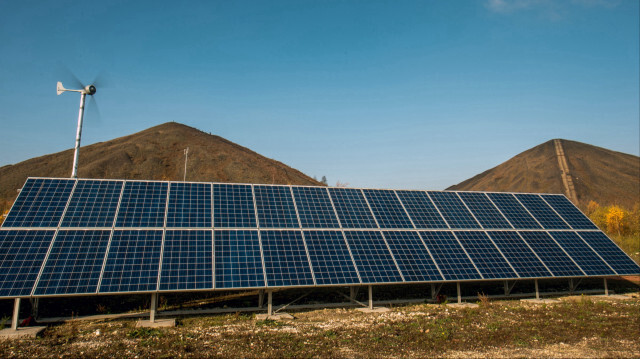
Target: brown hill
[(598, 174), (156, 154)]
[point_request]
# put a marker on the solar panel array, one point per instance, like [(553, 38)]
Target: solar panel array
[(79, 237)]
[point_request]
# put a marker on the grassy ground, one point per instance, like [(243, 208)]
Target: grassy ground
[(576, 327)]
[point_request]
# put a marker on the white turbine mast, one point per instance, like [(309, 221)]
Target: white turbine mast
[(88, 90)]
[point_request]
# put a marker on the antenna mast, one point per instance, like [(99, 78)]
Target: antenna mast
[(186, 157)]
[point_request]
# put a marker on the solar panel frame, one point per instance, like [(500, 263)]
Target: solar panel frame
[(275, 207), (521, 257), (481, 207), (88, 208), (429, 217), (546, 216), (152, 213), (192, 272), (380, 266), (236, 271), (352, 208), (387, 209), (486, 256), (40, 205), (189, 205), (314, 207), (281, 247), (455, 267), (329, 252), (514, 211), (568, 212), (610, 252), (453, 210), (412, 256), (589, 261), (552, 254), (228, 215)]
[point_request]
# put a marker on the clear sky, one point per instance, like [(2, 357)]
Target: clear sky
[(390, 94)]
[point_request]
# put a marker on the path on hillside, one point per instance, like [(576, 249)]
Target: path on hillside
[(569, 189)]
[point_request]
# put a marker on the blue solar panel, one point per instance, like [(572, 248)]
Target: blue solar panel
[(143, 204), (372, 257), (352, 208), (387, 209), (189, 205), (453, 210), (132, 262), (484, 211), (330, 258), (449, 256), (74, 263), (541, 211), (584, 256), (314, 207), (521, 257), (40, 203), (238, 260), (551, 254), (611, 253), (485, 255), (514, 211), (285, 259), (569, 212), (21, 256), (93, 204), (233, 206), (412, 256), (187, 260), (275, 207), (421, 210)]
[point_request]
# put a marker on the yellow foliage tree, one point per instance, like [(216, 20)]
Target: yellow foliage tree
[(615, 220)]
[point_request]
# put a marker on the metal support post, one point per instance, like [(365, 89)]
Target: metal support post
[(537, 290), (506, 288), (352, 294), (459, 293), (433, 292), (154, 304), (16, 312), (606, 287), (34, 307), (571, 287), (269, 302), (261, 298), (370, 297)]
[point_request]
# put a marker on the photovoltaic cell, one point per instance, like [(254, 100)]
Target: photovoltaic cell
[(551, 254), (93, 204), (412, 256), (514, 211), (586, 258), (453, 210), (238, 260), (21, 256), (132, 262), (314, 207), (521, 257), (40, 203), (541, 211), (186, 260), (233, 206), (616, 258), (143, 204), (387, 209), (569, 212), (330, 258), (485, 255), (285, 259), (275, 207), (189, 205), (352, 209), (74, 263), (421, 210), (449, 255), (484, 211), (372, 257)]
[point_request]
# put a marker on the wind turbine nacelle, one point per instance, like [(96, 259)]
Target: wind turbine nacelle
[(90, 90)]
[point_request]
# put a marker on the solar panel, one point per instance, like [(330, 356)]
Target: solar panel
[(74, 263), (315, 208), (330, 258), (484, 211), (372, 257), (616, 258), (143, 204), (518, 253), (275, 207), (513, 211), (238, 260), (233, 206), (93, 204), (546, 216), (133, 261), (568, 211), (189, 205), (422, 211), (387, 209), (551, 254), (40, 203), (285, 259), (352, 209), (450, 256), (485, 255), (21, 256), (186, 260), (584, 256), (453, 210), (412, 256)]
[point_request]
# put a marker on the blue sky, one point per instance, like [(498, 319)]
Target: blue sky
[(390, 94)]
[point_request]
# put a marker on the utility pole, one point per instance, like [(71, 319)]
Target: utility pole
[(186, 157)]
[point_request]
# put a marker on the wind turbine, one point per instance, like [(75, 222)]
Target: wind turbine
[(87, 90)]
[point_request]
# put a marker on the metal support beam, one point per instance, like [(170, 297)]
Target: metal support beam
[(537, 290), (573, 285), (269, 302), (435, 290), (370, 297), (459, 292), (606, 287), (16, 312), (353, 292), (261, 298), (154, 304), (35, 302), (508, 287)]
